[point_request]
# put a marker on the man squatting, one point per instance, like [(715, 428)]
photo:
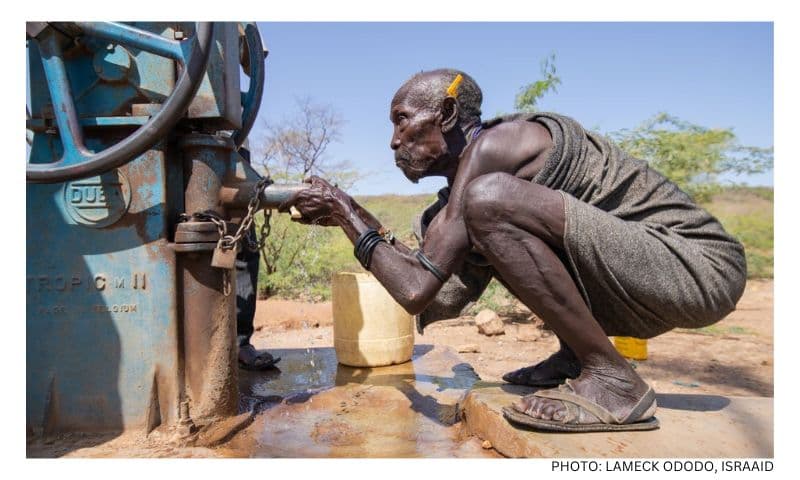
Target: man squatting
[(593, 241)]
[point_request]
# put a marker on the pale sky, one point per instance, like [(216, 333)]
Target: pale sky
[(614, 76)]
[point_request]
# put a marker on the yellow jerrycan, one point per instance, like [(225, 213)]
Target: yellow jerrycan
[(631, 347), (370, 329)]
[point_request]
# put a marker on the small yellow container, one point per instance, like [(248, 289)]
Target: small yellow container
[(370, 329), (631, 347)]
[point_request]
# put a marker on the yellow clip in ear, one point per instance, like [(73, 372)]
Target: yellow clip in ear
[(452, 90)]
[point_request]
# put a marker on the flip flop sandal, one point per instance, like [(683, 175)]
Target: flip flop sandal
[(583, 415), (255, 366)]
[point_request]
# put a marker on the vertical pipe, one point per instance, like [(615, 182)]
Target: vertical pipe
[(209, 314)]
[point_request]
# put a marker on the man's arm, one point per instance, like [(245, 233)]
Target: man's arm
[(446, 241), (373, 222), (397, 267)]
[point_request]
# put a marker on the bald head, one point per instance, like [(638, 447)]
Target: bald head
[(428, 89)]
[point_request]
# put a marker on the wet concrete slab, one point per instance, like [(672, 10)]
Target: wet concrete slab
[(692, 426), (314, 407)]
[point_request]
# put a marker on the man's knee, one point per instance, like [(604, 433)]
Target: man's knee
[(495, 201), (484, 203)]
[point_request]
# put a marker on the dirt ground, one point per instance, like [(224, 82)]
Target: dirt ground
[(732, 357)]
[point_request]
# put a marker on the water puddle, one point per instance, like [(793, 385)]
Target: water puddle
[(314, 407)]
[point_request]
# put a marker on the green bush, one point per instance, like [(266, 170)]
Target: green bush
[(692, 156), (747, 214)]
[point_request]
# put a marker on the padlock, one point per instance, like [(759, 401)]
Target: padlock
[(224, 257)]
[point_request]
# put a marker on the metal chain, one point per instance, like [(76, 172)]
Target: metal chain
[(226, 282), (208, 216), (228, 242), (266, 228)]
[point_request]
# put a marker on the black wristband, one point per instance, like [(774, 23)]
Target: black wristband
[(359, 250), (365, 255), (364, 236), (365, 245), (430, 266)]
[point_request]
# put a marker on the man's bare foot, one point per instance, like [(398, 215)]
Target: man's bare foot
[(550, 372), (615, 388), (252, 359)]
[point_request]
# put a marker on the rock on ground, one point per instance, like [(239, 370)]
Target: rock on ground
[(489, 323), (527, 333), (468, 348)]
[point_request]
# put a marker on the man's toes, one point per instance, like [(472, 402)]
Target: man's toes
[(526, 405), (558, 415), (521, 405), (264, 357), (518, 374), (539, 408), (548, 411), (523, 376)]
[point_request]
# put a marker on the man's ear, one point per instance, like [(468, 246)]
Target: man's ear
[(450, 110)]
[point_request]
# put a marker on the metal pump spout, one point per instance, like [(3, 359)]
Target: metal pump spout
[(236, 192)]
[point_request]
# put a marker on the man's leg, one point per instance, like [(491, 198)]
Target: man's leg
[(550, 372), (247, 263), (519, 227)]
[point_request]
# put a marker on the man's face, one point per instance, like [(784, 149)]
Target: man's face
[(417, 140)]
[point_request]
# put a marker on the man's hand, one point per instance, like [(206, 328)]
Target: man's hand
[(322, 204)]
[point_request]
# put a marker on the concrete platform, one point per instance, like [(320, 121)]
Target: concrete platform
[(692, 426), (313, 407)]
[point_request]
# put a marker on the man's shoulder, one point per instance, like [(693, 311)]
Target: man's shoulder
[(511, 141)]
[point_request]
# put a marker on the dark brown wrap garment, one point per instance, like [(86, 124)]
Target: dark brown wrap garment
[(645, 257)]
